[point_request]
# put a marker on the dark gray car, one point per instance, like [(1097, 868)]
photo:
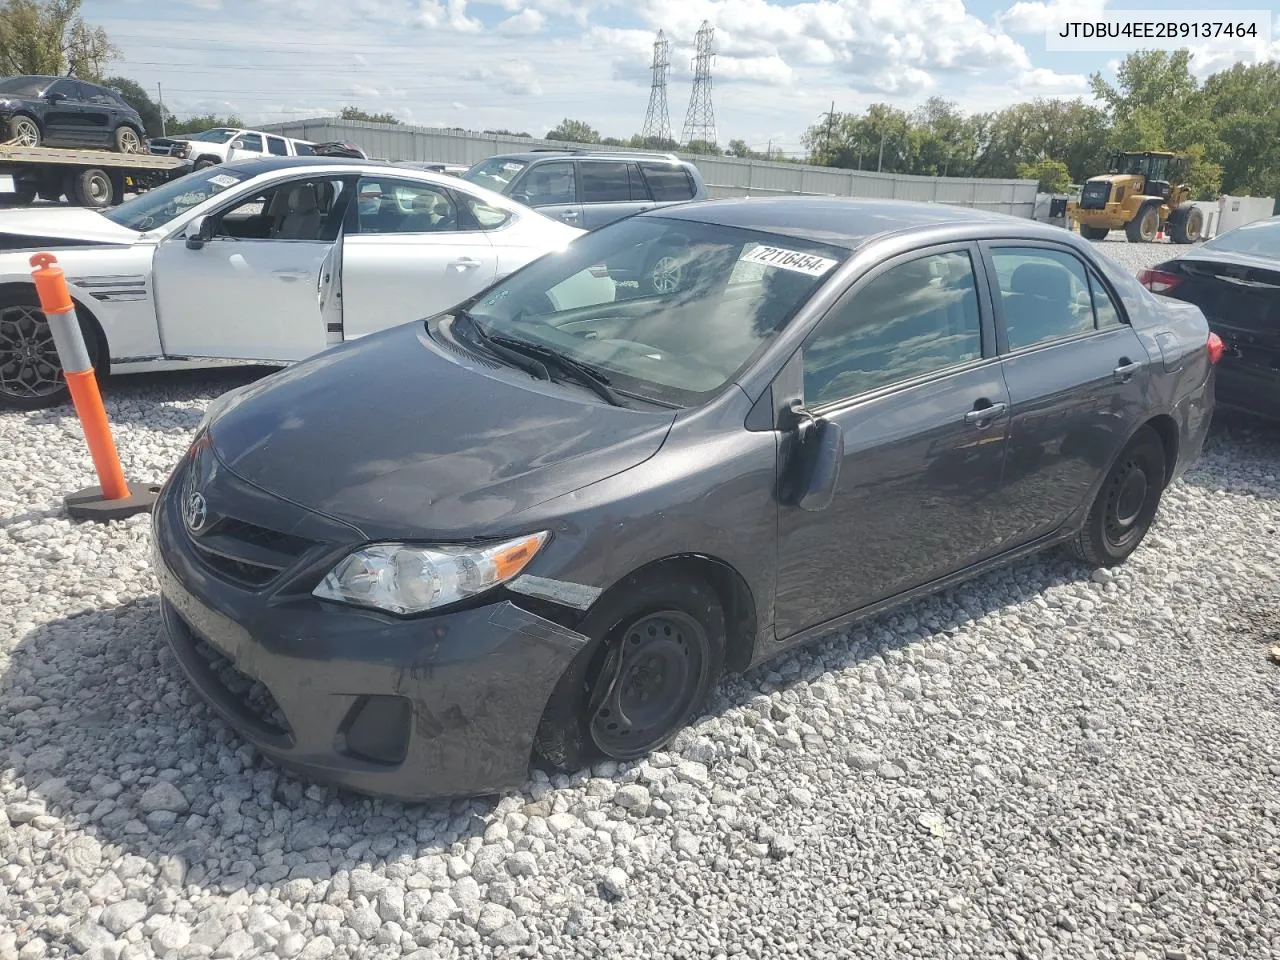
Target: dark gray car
[(531, 527)]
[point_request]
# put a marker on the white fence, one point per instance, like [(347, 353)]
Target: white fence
[(724, 176)]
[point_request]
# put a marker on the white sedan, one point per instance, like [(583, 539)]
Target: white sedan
[(266, 261)]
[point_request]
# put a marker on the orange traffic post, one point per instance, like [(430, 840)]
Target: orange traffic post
[(111, 499)]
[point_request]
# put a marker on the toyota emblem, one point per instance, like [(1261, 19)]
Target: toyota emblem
[(195, 512)]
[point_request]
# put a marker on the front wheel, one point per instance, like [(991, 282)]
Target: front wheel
[(24, 131), (127, 140), (1144, 226), (1093, 233), (1126, 504), (30, 371), (204, 163), (656, 653)]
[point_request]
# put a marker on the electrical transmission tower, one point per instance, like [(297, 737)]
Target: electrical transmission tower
[(700, 121), (657, 122)]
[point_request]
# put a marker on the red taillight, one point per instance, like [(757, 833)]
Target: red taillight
[(1216, 347), (1158, 281)]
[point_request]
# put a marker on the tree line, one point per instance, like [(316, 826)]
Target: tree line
[(1228, 127)]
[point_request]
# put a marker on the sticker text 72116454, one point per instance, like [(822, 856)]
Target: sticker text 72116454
[(784, 259)]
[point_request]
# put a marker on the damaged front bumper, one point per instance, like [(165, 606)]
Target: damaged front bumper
[(410, 709)]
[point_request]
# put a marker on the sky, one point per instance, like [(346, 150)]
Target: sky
[(526, 64)]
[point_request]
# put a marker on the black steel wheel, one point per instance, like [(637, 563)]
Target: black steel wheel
[(656, 653), (24, 131), (30, 371), (1126, 503)]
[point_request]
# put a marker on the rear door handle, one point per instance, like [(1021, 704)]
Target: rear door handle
[(983, 416), (1124, 373), (465, 262), (569, 215)]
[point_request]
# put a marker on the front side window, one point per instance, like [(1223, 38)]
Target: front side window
[(297, 210), (1044, 295), (67, 88), (496, 173), (916, 318), (1105, 311), (249, 141), (548, 183), (604, 181), (677, 346), (398, 206), (157, 207)]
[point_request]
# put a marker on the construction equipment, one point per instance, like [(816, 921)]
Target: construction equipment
[(1145, 194)]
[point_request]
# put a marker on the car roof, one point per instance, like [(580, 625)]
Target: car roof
[(576, 154), (840, 221)]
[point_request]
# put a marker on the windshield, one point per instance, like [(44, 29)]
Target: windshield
[(157, 207), (1260, 239), (496, 173), (216, 135), (24, 86), (667, 310)]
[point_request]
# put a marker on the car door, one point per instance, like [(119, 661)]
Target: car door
[(609, 191), (63, 121), (98, 115), (551, 188), (412, 249), (906, 364), (1077, 375), (255, 290), (245, 146)]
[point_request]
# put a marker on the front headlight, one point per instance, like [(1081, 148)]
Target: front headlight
[(406, 578)]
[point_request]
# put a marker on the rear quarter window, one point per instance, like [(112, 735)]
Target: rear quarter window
[(667, 181)]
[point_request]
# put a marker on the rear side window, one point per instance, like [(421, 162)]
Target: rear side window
[(549, 183), (604, 181), (303, 149), (277, 147), (1044, 295), (668, 181), (916, 318), (481, 214)]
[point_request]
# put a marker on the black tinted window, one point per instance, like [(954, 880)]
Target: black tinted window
[(68, 88), (23, 86), (277, 147), (668, 181), (915, 318), (638, 189), (1044, 294), (604, 181), (548, 183), (249, 141)]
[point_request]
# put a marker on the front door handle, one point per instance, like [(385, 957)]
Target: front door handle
[(981, 417), (569, 215), (289, 276), (467, 263), (1124, 373)]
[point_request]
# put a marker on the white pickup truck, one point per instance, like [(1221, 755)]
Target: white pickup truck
[(222, 144)]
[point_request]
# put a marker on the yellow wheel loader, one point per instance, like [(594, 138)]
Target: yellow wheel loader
[(1143, 194)]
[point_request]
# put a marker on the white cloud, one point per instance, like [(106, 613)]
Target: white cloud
[(451, 15), (1037, 16), (1043, 80), (524, 23)]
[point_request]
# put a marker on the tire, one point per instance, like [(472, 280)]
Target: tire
[(24, 131), (650, 631), (1185, 224), (664, 274), (204, 163), (1126, 503), (1145, 224), (92, 188), (1094, 233), (127, 139), (27, 381)]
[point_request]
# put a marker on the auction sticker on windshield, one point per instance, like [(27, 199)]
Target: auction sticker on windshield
[(224, 180), (785, 259)]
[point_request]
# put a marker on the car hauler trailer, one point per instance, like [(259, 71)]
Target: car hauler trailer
[(87, 178)]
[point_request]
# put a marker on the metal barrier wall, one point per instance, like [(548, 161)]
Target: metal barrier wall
[(724, 176)]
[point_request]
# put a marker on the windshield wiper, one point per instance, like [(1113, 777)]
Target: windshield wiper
[(586, 375), (519, 360)]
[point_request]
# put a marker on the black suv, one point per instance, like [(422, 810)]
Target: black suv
[(65, 112)]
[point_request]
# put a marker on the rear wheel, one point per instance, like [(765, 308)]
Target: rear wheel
[(30, 371), (128, 140), (656, 653), (1126, 504), (91, 188), (1185, 224), (24, 131), (204, 163), (1144, 226), (1093, 233)]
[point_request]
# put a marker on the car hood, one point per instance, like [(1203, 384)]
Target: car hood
[(42, 227), (402, 438)]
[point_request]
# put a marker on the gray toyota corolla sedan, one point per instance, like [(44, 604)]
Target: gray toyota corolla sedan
[(544, 522)]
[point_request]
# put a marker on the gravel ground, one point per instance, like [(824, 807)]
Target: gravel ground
[(1042, 763)]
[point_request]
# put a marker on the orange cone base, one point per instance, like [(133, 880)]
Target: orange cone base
[(89, 504)]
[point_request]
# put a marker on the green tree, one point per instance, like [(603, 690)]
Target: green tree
[(177, 128), (664, 144), (355, 113), (1051, 176), (505, 133), (1043, 129), (50, 37), (137, 98), (1244, 105), (573, 131), (701, 147)]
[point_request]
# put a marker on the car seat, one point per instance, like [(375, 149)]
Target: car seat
[(1038, 304), (302, 222)]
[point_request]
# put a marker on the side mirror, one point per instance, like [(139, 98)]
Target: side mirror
[(55, 97), (199, 232), (820, 455), (522, 198)]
